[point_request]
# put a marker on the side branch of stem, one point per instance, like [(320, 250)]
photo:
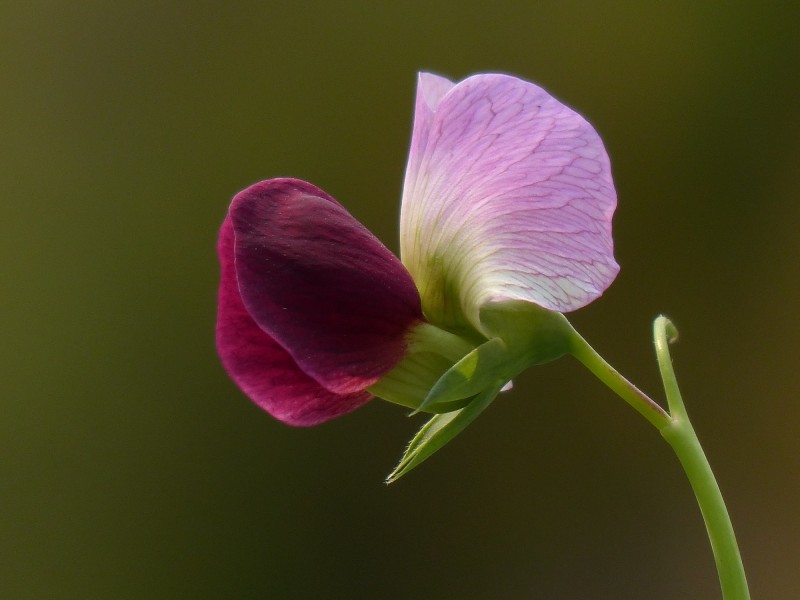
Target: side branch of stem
[(681, 436), (641, 402)]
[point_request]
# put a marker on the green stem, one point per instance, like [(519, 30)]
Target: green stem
[(677, 430), (640, 401), (681, 436)]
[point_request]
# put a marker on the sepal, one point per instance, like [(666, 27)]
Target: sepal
[(440, 430), (482, 368), (521, 335), (431, 352), (534, 335)]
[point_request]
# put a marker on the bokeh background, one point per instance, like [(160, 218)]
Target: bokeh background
[(131, 467)]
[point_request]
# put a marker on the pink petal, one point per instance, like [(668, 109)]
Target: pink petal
[(260, 366), (508, 196), (430, 91), (320, 284)]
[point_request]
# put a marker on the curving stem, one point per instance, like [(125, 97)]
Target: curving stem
[(677, 430)]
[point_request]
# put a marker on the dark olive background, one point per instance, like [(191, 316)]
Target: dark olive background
[(131, 467)]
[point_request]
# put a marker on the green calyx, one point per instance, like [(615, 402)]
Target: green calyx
[(457, 378), (431, 352), (521, 335)]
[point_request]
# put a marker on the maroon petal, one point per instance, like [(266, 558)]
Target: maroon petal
[(320, 284), (260, 366)]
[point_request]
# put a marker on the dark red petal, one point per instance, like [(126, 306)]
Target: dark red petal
[(260, 366), (320, 284)]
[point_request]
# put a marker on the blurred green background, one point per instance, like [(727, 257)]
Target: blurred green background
[(131, 467)]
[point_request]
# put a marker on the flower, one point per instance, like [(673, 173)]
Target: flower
[(505, 224)]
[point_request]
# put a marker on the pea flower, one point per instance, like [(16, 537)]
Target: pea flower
[(505, 225)]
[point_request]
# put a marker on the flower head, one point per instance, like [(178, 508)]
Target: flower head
[(505, 224)]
